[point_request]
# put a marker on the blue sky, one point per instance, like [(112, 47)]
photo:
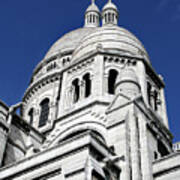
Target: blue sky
[(29, 28)]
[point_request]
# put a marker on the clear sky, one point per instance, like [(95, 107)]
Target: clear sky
[(29, 27)]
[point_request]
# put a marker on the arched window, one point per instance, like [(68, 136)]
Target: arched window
[(90, 18), (44, 112), (155, 100), (113, 17), (31, 116), (149, 88), (76, 89), (106, 18), (112, 80), (87, 81), (94, 18), (109, 17)]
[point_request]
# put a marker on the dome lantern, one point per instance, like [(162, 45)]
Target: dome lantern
[(92, 15), (110, 14)]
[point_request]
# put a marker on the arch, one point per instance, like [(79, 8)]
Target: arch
[(76, 89), (76, 133), (112, 76), (31, 116), (87, 18), (88, 83), (44, 114), (93, 126)]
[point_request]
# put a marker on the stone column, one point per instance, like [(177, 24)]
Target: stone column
[(29, 147), (37, 112), (88, 169), (159, 104), (105, 84), (82, 90), (69, 97), (141, 74), (97, 80), (64, 85), (52, 111), (152, 98), (164, 108)]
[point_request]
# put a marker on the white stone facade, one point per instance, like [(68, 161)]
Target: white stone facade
[(95, 109)]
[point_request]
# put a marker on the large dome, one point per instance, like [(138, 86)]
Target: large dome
[(112, 38), (69, 41)]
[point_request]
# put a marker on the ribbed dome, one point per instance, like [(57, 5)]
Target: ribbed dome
[(111, 38), (69, 41)]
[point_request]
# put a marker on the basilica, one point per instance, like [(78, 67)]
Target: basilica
[(95, 109)]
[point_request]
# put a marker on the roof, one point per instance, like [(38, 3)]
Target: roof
[(69, 41), (110, 5), (93, 7), (110, 38)]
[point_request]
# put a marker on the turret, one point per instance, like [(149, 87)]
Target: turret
[(127, 83), (92, 16), (110, 14)]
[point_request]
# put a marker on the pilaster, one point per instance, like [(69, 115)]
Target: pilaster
[(146, 164), (164, 108), (97, 83), (141, 73)]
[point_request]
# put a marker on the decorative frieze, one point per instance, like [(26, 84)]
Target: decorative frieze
[(40, 85), (80, 66), (120, 60)]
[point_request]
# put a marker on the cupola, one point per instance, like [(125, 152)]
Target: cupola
[(110, 14), (92, 15)]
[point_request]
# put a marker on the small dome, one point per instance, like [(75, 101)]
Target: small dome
[(69, 41), (93, 8), (111, 39), (110, 5)]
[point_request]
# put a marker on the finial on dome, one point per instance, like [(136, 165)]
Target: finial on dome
[(92, 1)]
